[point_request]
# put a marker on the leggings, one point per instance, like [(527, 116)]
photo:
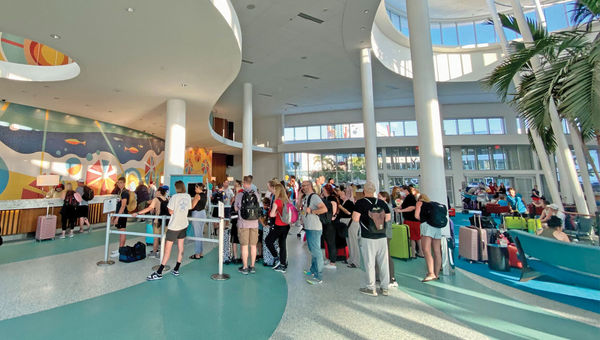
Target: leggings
[(68, 217), (278, 233), (329, 233)]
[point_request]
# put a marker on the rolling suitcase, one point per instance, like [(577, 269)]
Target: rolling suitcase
[(149, 230), (46, 227), (400, 243), (342, 253), (472, 242), (227, 246), (515, 222), (268, 259)]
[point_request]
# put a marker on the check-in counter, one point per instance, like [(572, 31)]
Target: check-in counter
[(20, 216)]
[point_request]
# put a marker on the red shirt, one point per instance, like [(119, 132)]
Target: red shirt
[(278, 221)]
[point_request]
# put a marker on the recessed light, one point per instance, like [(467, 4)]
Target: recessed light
[(251, 6), (46, 86), (54, 36), (117, 90), (325, 9), (130, 9), (57, 98), (87, 105), (366, 11), (182, 84), (305, 57), (109, 110), (362, 28)]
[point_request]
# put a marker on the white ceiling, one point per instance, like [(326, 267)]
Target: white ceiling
[(131, 63)]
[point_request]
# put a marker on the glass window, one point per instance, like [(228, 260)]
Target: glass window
[(339, 131), (468, 158), (327, 132), (383, 129), (485, 33), (288, 134), (525, 157), (496, 126), (300, 133), (499, 158), (447, 159), (480, 126), (395, 20), (449, 34), (483, 159), (466, 34), (357, 130), (404, 25), (396, 129), (565, 125), (450, 127), (465, 127), (556, 17), (410, 128), (436, 33), (314, 132)]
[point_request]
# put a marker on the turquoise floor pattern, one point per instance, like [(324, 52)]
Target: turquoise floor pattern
[(485, 310), (191, 306), (30, 249)]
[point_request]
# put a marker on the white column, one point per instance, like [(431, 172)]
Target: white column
[(539, 13), (368, 111), (247, 131), (563, 150), (427, 108), (174, 140), (583, 168), (549, 172)]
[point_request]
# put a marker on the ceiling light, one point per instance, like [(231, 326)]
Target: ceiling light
[(54, 36), (303, 58), (182, 84), (310, 18), (130, 9), (109, 110), (362, 28), (117, 90), (309, 76), (46, 86), (251, 6), (247, 61), (57, 98), (366, 11)]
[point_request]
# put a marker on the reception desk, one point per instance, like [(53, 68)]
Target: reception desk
[(20, 216)]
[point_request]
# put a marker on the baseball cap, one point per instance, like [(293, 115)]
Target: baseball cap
[(553, 206), (164, 187)]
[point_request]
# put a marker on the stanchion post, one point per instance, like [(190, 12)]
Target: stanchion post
[(220, 276), (162, 245), (106, 261)]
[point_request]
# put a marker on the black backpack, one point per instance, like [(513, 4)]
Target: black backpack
[(438, 214), (88, 193), (164, 210), (325, 218), (216, 197), (250, 209), (70, 200), (376, 218), (131, 254)]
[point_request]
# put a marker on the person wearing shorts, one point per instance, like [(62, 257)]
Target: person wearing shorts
[(179, 206), (247, 230)]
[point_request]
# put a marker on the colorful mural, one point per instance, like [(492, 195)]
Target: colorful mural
[(35, 141), (19, 50), (198, 161)]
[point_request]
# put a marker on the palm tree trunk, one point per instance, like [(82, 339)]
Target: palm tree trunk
[(590, 160), (583, 168)]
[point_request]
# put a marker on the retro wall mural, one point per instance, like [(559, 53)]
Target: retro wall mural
[(35, 141), (199, 161)]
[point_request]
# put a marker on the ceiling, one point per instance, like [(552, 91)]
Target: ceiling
[(131, 63)]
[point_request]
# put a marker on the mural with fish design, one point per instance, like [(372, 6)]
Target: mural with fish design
[(36, 141)]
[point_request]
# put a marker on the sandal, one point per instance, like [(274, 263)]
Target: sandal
[(193, 257), (430, 278)]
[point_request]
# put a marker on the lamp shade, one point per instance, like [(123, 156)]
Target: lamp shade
[(47, 180)]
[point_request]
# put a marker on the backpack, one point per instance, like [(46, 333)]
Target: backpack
[(88, 194), (289, 214), (249, 209), (216, 198), (131, 254), (131, 202), (70, 199), (376, 218), (142, 194), (325, 218), (164, 210), (438, 214)]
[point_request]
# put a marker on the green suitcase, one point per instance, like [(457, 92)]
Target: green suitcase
[(400, 243), (512, 222), (533, 225)]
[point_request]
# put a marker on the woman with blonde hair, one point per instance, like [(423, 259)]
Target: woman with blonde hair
[(279, 228)]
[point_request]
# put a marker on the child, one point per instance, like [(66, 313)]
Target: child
[(179, 205)]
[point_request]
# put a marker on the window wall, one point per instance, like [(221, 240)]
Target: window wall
[(469, 34), (484, 158), (343, 167)]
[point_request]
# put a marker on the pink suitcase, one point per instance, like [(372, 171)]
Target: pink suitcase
[(472, 244), (46, 227)]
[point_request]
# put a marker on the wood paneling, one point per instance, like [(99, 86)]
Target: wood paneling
[(24, 221), (219, 167)]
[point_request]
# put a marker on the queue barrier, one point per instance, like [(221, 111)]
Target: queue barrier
[(221, 220)]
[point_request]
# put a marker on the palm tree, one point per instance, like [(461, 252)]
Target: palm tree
[(569, 75)]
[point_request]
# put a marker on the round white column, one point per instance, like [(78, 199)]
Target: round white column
[(368, 111), (247, 131), (174, 139), (427, 109)]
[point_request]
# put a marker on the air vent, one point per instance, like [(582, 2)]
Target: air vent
[(392, 87), (290, 104), (309, 76), (265, 94), (247, 61), (309, 17)]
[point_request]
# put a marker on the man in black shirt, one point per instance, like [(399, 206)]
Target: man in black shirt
[(121, 222), (373, 241)]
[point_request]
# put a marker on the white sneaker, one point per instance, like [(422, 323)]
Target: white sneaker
[(115, 253), (330, 266), (393, 284)]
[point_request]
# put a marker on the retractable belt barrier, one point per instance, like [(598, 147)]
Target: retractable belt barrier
[(221, 220)]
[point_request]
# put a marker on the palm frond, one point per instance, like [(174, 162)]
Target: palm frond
[(585, 12)]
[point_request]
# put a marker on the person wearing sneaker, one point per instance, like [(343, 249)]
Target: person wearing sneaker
[(248, 207), (279, 230), (199, 204), (120, 222), (158, 206), (310, 208), (178, 206), (372, 214)]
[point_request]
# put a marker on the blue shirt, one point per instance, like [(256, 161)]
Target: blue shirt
[(516, 203), (503, 203)]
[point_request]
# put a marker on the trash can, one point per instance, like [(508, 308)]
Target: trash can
[(498, 258)]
